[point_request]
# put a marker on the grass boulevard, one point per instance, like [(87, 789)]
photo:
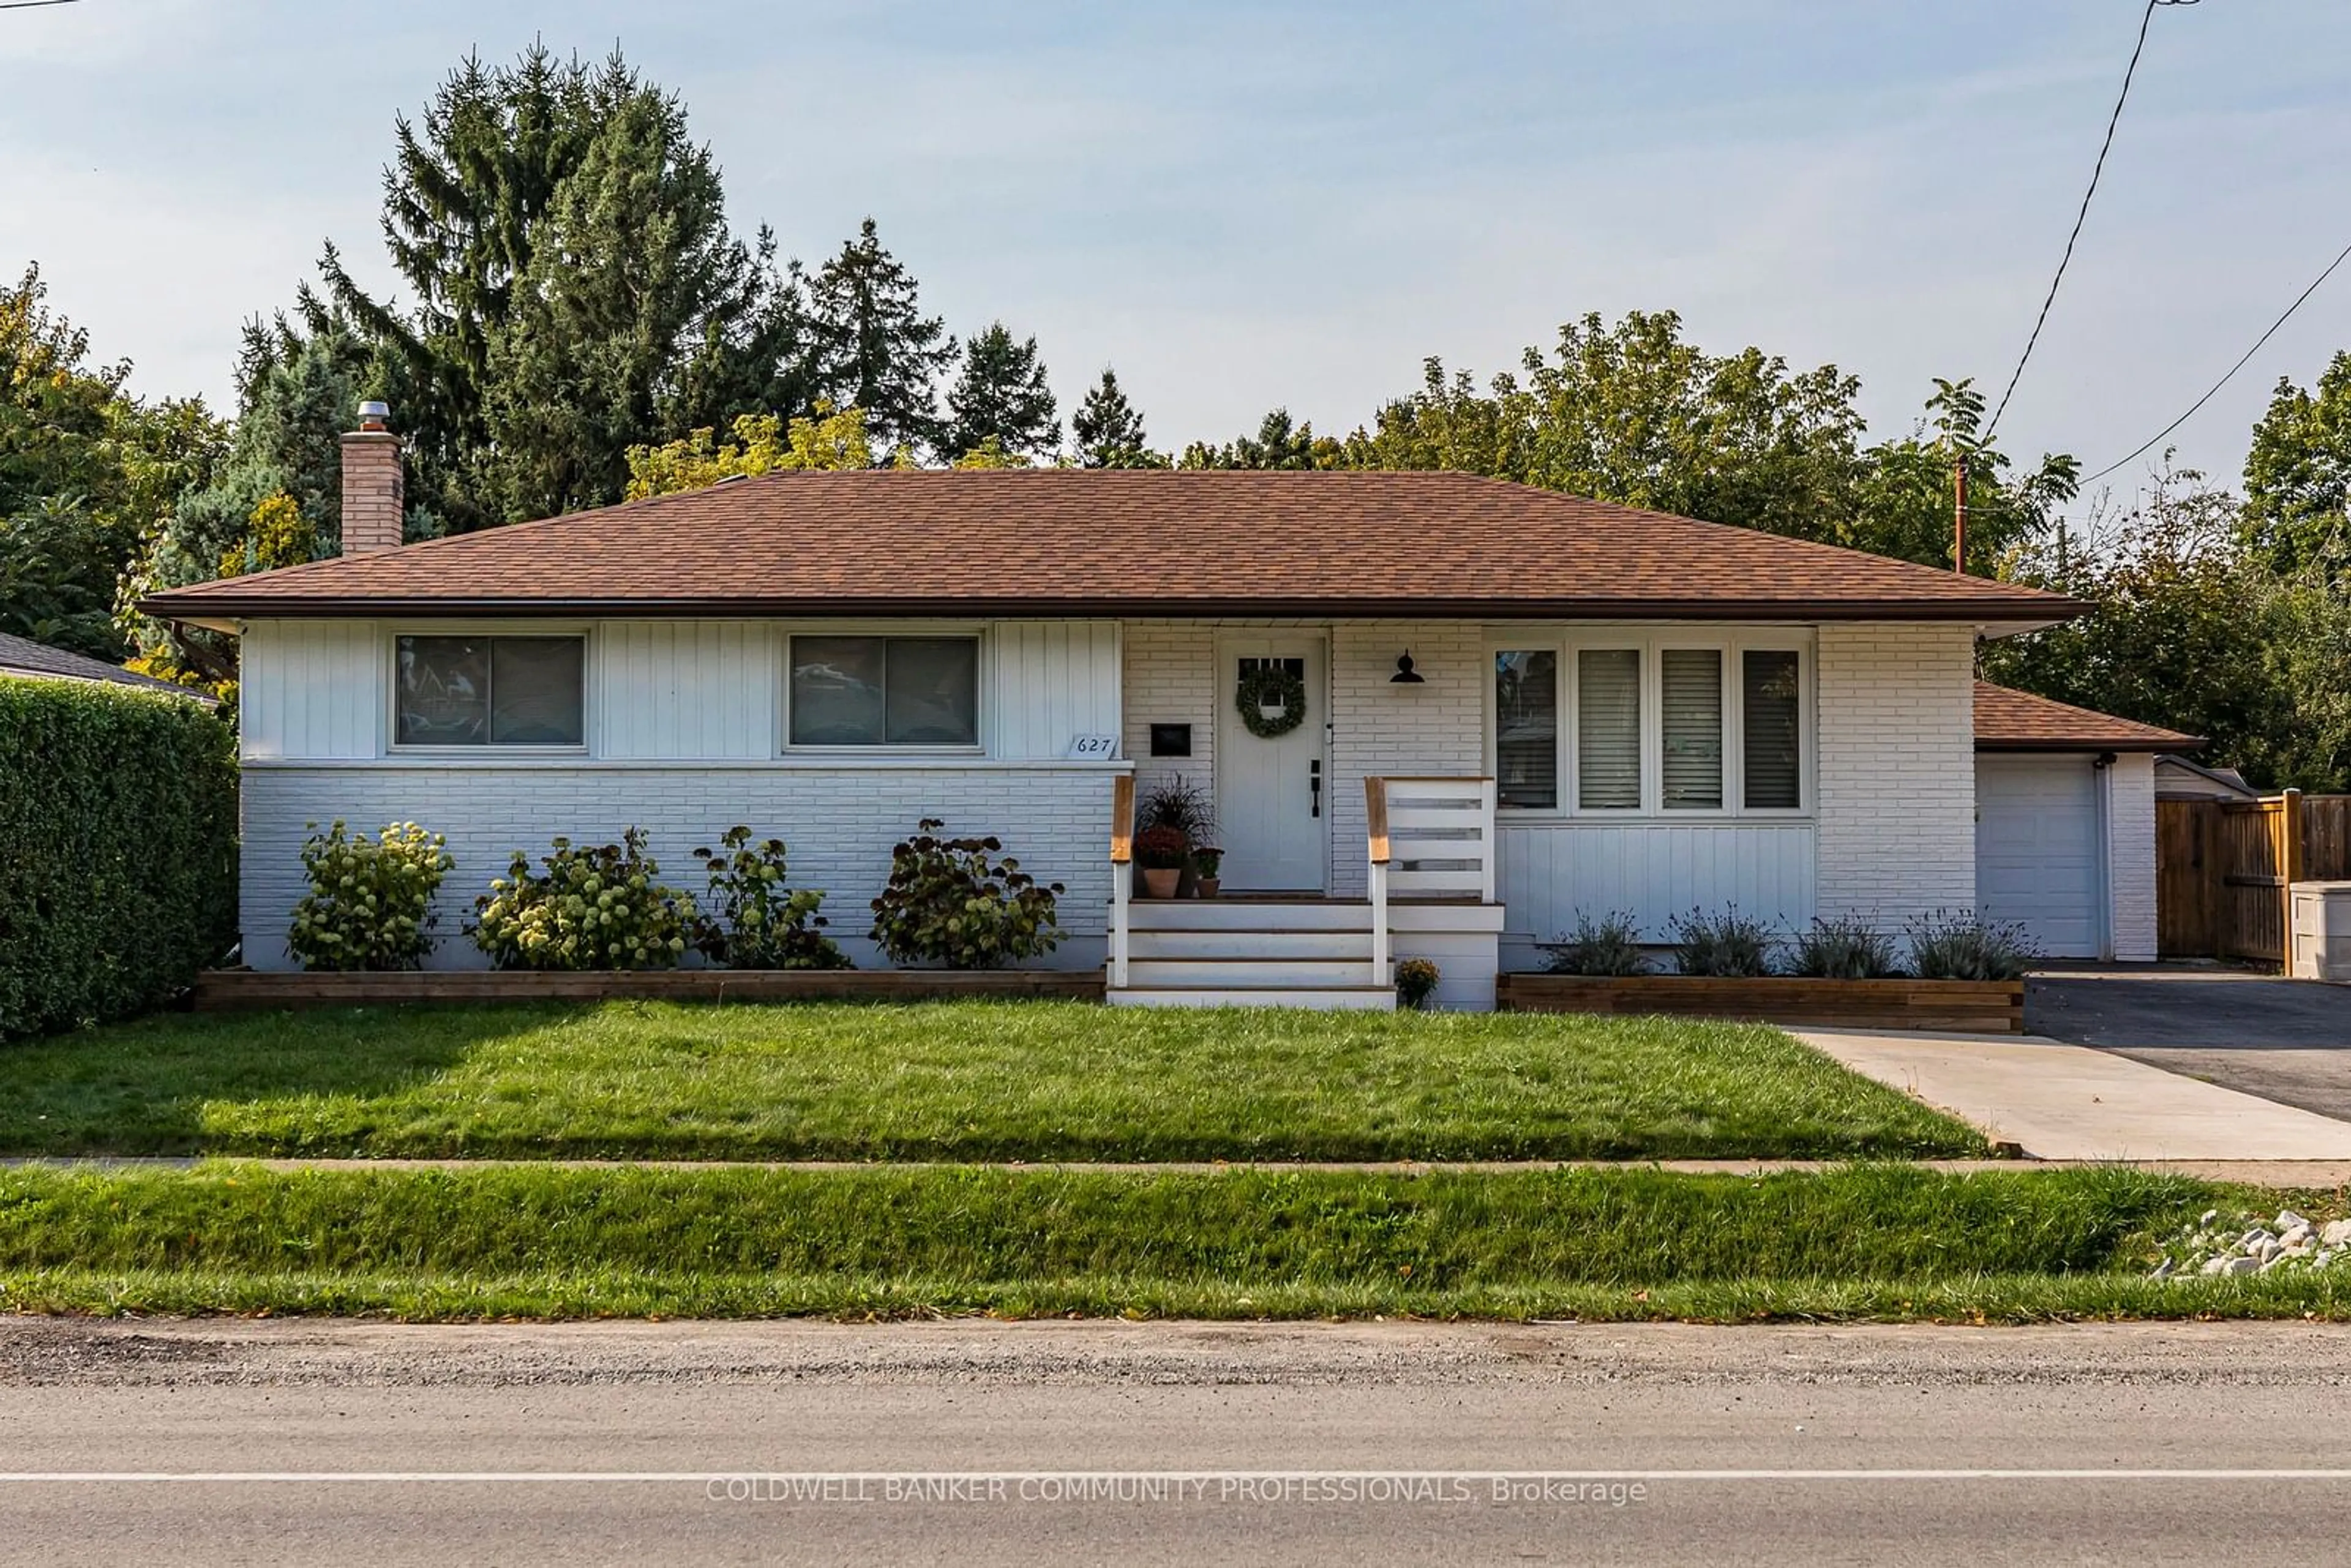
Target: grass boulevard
[(1875, 1239)]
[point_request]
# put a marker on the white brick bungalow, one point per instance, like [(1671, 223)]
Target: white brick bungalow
[(1607, 709)]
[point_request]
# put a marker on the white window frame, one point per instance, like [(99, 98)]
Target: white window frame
[(982, 684), (1731, 644), (581, 631)]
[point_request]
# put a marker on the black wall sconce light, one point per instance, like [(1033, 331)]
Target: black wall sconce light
[(1406, 675)]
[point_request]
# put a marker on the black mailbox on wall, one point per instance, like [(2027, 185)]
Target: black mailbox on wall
[(1171, 740)]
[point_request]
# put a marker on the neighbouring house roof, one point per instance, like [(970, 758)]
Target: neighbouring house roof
[(23, 656), (2009, 720), (2177, 777), (1099, 542)]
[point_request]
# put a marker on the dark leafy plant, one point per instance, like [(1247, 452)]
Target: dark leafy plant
[(1175, 801), (1844, 948), (1206, 861), (1415, 982), (600, 908), (118, 851), (1729, 945), (751, 917), (371, 901), (947, 903), (1159, 847), (1608, 945), (1957, 946)]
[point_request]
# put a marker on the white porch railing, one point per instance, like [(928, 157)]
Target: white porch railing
[(1122, 874), (1429, 838)]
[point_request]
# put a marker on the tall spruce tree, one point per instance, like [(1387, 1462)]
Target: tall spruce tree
[(1001, 396), (872, 348), (1108, 429), (575, 288)]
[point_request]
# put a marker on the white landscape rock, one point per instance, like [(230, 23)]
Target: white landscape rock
[(2220, 1245)]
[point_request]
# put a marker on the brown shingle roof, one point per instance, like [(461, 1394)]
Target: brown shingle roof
[(23, 656), (1074, 541), (2009, 720)]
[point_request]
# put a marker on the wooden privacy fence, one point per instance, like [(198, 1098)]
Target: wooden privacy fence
[(2223, 867)]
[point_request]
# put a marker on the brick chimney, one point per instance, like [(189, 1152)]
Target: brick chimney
[(374, 498)]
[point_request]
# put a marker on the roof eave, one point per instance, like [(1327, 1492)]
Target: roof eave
[(2088, 743), (219, 609)]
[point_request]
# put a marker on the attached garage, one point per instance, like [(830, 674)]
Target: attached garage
[(2066, 824)]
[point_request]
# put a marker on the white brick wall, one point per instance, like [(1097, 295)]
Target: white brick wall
[(1437, 728), (1895, 765), (839, 824), (1170, 679), (2130, 856)]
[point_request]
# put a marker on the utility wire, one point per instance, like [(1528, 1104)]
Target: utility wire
[(2099, 168), (30, 5), (2224, 381)]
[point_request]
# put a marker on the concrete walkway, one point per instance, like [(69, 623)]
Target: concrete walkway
[(2062, 1101)]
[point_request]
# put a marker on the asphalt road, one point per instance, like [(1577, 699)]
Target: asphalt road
[(2286, 1041), (637, 1443)]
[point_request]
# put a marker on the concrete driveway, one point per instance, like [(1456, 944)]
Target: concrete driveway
[(2285, 1041)]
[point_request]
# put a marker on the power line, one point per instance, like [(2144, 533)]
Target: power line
[(2099, 168), (30, 5), (2344, 256)]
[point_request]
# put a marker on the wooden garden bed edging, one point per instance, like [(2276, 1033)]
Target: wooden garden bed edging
[(221, 989), (1978, 1007)]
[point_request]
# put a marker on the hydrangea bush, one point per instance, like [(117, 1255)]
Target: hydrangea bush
[(947, 903), (371, 901), (600, 908), (752, 917)]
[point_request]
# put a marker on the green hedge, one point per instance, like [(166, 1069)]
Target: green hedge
[(118, 849)]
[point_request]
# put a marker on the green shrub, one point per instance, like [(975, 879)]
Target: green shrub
[(1844, 948), (600, 908), (118, 851), (947, 904), (1945, 946), (1415, 982), (752, 917), (371, 901), (1729, 945), (1609, 945)]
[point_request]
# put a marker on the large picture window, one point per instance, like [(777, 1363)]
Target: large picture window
[(885, 691), (1650, 723), (489, 691)]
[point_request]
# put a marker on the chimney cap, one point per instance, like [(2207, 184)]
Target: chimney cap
[(373, 414)]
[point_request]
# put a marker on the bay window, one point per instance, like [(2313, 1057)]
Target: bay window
[(1666, 723)]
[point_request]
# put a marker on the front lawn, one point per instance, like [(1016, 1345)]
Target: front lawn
[(963, 1080), (494, 1242)]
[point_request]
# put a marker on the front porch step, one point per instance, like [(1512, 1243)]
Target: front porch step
[(1252, 944), (1248, 915), (1230, 972), (1325, 999)]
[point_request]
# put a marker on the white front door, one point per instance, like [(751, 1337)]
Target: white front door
[(1272, 796)]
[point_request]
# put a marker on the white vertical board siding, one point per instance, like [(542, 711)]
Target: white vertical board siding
[(2130, 856), (311, 689), (684, 690), (1551, 873), (1054, 681), (1897, 770), (839, 823)]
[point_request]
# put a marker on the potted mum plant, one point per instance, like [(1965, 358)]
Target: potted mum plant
[(1205, 860), (1160, 851)]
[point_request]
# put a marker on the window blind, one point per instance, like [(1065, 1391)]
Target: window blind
[(1526, 730), (1608, 729), (1691, 709), (1774, 765)]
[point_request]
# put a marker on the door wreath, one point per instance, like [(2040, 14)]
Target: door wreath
[(1271, 685)]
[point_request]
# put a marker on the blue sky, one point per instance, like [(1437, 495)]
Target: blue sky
[(1245, 205)]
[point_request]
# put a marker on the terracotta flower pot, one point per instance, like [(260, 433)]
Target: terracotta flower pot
[(1159, 882), (1207, 886)]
